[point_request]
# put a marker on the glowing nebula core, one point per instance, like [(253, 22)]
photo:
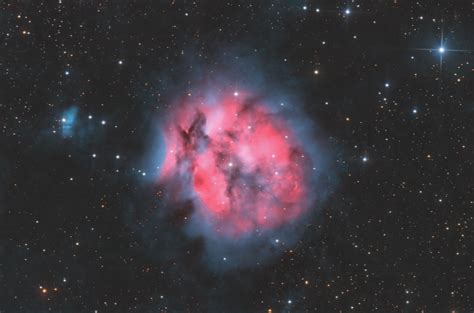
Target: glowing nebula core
[(244, 166)]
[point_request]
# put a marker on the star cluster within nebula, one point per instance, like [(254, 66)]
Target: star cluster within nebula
[(239, 160)]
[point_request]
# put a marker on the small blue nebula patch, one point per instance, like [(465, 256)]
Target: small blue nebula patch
[(68, 121)]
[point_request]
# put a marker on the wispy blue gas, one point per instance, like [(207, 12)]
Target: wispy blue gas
[(68, 121)]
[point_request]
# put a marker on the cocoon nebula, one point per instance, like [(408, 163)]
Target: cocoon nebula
[(243, 162)]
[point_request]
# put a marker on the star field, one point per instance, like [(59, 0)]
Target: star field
[(84, 86)]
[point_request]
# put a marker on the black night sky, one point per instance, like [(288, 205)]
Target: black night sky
[(85, 225)]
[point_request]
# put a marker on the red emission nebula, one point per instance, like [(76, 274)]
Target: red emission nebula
[(240, 162)]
